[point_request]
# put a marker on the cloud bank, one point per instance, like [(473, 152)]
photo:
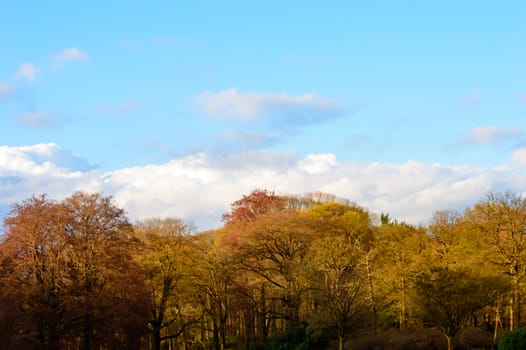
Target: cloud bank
[(199, 188)]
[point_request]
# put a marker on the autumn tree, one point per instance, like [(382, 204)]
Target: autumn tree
[(213, 274), (68, 267), (500, 221), (275, 248), (105, 283), (34, 278), (399, 249), (448, 298), (250, 206), (353, 223), (453, 243), (310, 200), (165, 260), (338, 287)]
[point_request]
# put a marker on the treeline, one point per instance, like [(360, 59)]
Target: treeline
[(284, 272)]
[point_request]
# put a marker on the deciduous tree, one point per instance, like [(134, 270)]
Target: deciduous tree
[(165, 260), (67, 266), (34, 276), (500, 220), (447, 298)]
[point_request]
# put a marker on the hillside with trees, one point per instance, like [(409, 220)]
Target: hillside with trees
[(312, 271)]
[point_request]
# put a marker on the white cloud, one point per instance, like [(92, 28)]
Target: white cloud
[(318, 163), (518, 157), (6, 90), (230, 103), (42, 168), (491, 134), (200, 188), (27, 71), (38, 119), (71, 54)]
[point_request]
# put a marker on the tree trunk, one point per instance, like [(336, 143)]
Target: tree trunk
[(449, 342), (402, 306), (222, 335), (249, 327), (519, 302), (512, 316), (263, 329), (87, 331), (371, 293), (215, 336), (156, 339)]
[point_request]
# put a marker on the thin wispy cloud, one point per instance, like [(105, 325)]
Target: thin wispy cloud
[(27, 71), (469, 99), (70, 54), (231, 104), (6, 91), (37, 119), (491, 134)]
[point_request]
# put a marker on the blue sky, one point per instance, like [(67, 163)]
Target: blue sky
[(178, 108)]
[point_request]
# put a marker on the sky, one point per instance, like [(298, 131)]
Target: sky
[(178, 108)]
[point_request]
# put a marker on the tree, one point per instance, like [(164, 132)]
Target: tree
[(446, 238), (213, 276), (258, 202), (34, 275), (310, 200), (500, 221), (68, 268), (106, 287), (399, 251), (353, 223), (339, 286), (164, 258), (275, 248), (448, 298)]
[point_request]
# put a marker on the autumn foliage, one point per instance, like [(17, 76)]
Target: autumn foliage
[(284, 272)]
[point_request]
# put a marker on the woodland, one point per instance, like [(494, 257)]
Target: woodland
[(311, 271)]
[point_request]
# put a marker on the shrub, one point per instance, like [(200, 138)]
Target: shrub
[(300, 337), (515, 340)]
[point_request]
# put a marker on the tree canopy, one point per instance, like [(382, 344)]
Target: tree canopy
[(312, 270)]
